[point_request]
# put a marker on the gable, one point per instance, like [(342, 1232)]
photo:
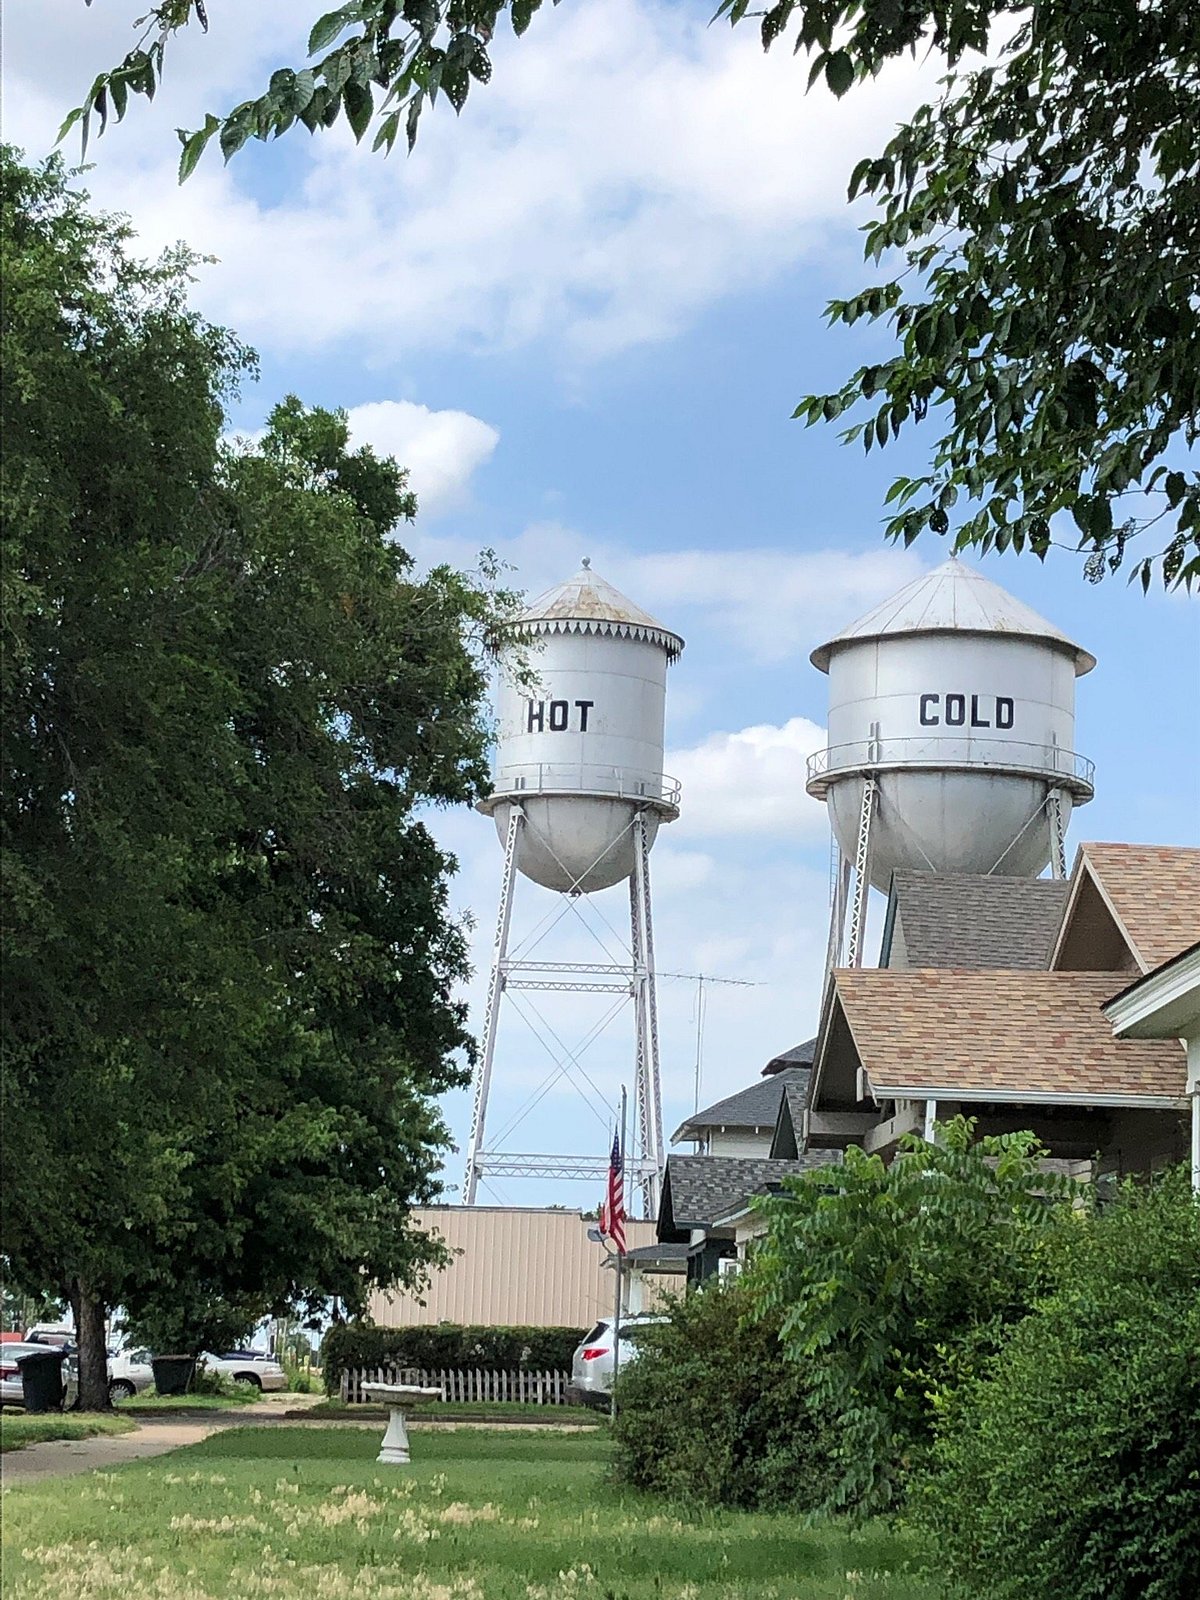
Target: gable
[(1092, 940)]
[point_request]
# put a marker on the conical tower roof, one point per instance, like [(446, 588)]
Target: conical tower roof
[(586, 603), (953, 598)]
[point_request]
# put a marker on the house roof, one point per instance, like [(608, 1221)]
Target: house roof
[(1152, 891), (788, 1139), (1161, 1004), (800, 1055), (960, 919), (698, 1189), (754, 1107), (1001, 1035), (952, 598), (663, 1258)]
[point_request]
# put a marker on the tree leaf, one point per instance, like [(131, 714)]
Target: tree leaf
[(839, 72)]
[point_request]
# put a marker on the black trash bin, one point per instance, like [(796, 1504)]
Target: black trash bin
[(173, 1374), (41, 1380)]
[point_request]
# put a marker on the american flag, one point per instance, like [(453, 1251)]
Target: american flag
[(612, 1213)]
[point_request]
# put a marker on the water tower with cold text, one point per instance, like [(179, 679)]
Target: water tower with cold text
[(578, 796), (951, 741)]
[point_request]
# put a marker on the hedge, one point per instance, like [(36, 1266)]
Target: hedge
[(446, 1346), (713, 1414), (1073, 1468)]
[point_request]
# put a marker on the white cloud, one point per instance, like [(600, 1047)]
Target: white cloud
[(750, 782), (627, 166), (441, 449)]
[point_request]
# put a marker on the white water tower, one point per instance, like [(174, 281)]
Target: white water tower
[(951, 740), (578, 796)]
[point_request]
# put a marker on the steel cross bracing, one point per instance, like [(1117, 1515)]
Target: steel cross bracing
[(511, 1164), (634, 979), (1058, 834), (862, 858)]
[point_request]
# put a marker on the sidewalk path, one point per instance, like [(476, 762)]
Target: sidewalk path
[(154, 1436)]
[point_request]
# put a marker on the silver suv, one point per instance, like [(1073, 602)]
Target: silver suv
[(592, 1363)]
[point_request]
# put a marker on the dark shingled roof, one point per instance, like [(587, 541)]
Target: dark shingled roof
[(800, 1055), (957, 919), (788, 1140), (698, 1189), (755, 1107), (664, 1256)]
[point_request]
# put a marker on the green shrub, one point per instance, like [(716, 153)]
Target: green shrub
[(894, 1283), (712, 1412), (1073, 1468), (445, 1346)]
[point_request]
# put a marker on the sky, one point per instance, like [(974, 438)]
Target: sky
[(582, 314)]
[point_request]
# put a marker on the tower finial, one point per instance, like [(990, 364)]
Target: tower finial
[(587, 562)]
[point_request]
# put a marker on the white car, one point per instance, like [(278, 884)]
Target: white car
[(12, 1388), (129, 1373), (592, 1363), (253, 1367)]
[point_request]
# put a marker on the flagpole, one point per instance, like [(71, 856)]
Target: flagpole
[(620, 1264)]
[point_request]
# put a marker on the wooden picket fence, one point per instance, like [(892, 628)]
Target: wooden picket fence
[(464, 1383)]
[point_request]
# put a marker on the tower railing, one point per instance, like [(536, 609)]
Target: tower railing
[(1067, 768), (583, 778)]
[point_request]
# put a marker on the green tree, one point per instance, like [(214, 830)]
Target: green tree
[(1071, 1466), (227, 701), (1045, 209), (894, 1282)]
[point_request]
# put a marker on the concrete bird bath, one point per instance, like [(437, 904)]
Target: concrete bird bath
[(400, 1397)]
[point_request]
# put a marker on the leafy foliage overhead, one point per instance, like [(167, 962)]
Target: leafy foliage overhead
[(1046, 207)]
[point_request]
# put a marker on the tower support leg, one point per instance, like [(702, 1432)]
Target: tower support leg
[(648, 1083), (862, 861), (837, 912), (1058, 834), (482, 1077)]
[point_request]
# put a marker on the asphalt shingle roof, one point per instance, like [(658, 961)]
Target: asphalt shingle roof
[(957, 919), (790, 1120), (1155, 892), (800, 1055), (753, 1107), (698, 1189), (1001, 1031)]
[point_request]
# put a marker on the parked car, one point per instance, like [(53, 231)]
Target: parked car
[(129, 1373), (56, 1333), (592, 1363), (254, 1367), (12, 1390)]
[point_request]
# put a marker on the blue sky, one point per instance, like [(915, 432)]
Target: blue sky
[(583, 314)]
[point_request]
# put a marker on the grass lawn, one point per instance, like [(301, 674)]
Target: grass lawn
[(305, 1513), (18, 1431), (154, 1404)]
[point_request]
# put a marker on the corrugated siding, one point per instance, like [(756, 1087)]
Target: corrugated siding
[(513, 1267)]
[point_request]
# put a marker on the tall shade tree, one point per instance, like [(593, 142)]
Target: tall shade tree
[(227, 700), (1039, 227)]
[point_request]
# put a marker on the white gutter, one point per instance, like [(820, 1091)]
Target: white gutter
[(1036, 1097)]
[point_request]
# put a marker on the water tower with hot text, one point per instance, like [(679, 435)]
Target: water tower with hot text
[(578, 796)]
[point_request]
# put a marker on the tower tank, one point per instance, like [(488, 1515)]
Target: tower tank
[(581, 747), (959, 701)]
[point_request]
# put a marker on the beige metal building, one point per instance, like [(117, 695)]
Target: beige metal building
[(513, 1267)]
